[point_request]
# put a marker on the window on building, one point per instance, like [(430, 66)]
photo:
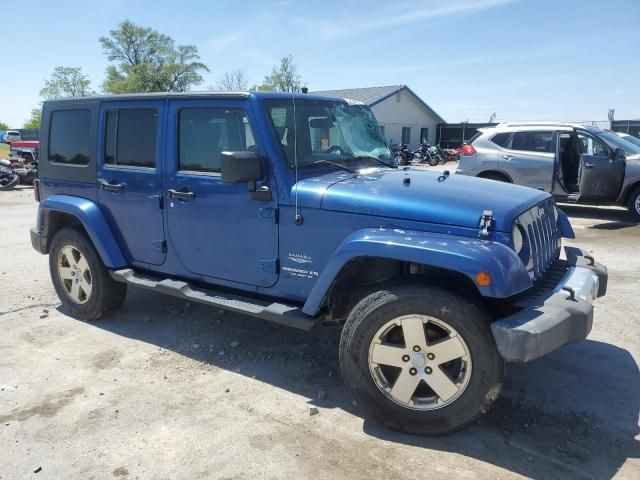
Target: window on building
[(204, 133), (69, 137), (130, 137), (406, 135), (532, 141), (502, 139), (424, 134)]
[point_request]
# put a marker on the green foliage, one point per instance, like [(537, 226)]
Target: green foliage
[(34, 120), (283, 78), (66, 82), (4, 126), (145, 60)]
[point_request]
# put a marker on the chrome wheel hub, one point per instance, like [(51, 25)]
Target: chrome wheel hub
[(638, 204), (420, 362), (75, 274)]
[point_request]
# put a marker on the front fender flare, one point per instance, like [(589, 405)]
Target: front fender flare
[(93, 221), (460, 254)]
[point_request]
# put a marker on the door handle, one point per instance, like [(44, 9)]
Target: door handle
[(112, 187), (507, 157), (589, 165), (171, 193)]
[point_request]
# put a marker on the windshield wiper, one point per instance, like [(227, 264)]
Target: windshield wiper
[(370, 157), (335, 164)]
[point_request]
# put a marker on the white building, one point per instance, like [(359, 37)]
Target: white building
[(403, 116)]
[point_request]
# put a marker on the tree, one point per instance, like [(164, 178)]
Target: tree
[(148, 61), (284, 77), (34, 119), (233, 81), (66, 82), (4, 126)]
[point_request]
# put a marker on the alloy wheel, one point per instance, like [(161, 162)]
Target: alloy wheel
[(75, 274)]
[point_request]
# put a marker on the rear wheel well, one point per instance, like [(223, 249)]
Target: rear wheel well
[(359, 276), (495, 175), (54, 221)]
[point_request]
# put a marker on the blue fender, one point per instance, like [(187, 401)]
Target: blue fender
[(566, 230), (460, 254), (93, 221)]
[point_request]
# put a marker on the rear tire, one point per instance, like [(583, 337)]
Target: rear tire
[(633, 204), (9, 182), (382, 371), (81, 280)]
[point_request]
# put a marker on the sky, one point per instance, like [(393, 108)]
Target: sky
[(524, 60)]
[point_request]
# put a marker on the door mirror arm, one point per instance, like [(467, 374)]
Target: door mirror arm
[(245, 166)]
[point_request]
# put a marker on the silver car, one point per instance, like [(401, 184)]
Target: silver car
[(572, 162)]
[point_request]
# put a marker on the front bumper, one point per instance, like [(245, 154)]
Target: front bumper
[(557, 311)]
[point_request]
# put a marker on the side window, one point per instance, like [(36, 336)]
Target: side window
[(69, 137), (502, 139), (539, 142), (204, 133), (130, 137), (591, 146)]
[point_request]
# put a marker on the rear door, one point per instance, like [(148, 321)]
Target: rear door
[(529, 158), (129, 177), (600, 174)]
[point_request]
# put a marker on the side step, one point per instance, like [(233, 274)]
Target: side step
[(273, 312)]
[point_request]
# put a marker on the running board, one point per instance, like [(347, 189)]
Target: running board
[(273, 312)]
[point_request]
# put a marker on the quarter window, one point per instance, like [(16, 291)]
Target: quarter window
[(502, 139), (204, 133), (539, 142), (69, 137), (130, 137)]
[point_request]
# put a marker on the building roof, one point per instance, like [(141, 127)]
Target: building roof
[(374, 95)]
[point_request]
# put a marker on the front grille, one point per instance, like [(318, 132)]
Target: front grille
[(542, 237)]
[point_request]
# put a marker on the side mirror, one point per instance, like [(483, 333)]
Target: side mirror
[(244, 167), (619, 154)]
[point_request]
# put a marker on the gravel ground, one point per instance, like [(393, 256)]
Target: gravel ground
[(168, 389)]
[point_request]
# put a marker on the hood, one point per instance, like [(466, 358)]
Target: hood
[(426, 196)]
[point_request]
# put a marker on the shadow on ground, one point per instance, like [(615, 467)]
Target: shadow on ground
[(573, 413), (610, 218)]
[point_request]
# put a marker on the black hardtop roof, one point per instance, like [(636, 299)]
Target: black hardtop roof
[(207, 94)]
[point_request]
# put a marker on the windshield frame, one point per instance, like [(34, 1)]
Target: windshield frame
[(350, 161)]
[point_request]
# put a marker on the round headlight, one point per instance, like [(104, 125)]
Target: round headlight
[(518, 240)]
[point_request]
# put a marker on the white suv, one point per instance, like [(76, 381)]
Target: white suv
[(572, 162)]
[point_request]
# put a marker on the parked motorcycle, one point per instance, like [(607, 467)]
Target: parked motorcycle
[(25, 170), (8, 179), (428, 154), (402, 154)]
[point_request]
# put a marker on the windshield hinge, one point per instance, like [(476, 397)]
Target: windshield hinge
[(271, 265), (486, 223)]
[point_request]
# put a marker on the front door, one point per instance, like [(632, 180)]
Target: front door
[(129, 177), (601, 175), (215, 228)]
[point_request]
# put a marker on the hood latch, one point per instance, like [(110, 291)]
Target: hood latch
[(486, 223)]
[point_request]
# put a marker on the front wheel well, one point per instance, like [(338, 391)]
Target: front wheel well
[(359, 276)]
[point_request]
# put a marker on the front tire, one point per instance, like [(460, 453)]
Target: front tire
[(634, 204), (9, 182), (81, 280), (420, 359)]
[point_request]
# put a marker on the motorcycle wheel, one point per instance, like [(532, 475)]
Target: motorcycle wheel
[(433, 161), (8, 182)]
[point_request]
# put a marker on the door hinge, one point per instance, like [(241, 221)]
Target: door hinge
[(161, 245), (271, 265), (161, 201), (269, 212)]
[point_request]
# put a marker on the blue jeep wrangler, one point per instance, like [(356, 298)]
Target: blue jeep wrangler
[(289, 208)]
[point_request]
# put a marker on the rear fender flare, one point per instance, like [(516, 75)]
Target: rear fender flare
[(460, 254), (89, 215)]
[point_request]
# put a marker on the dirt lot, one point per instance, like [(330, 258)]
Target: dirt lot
[(167, 389)]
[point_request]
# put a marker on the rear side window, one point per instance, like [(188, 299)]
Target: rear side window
[(204, 133), (532, 141), (130, 137), (69, 137), (502, 139)]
